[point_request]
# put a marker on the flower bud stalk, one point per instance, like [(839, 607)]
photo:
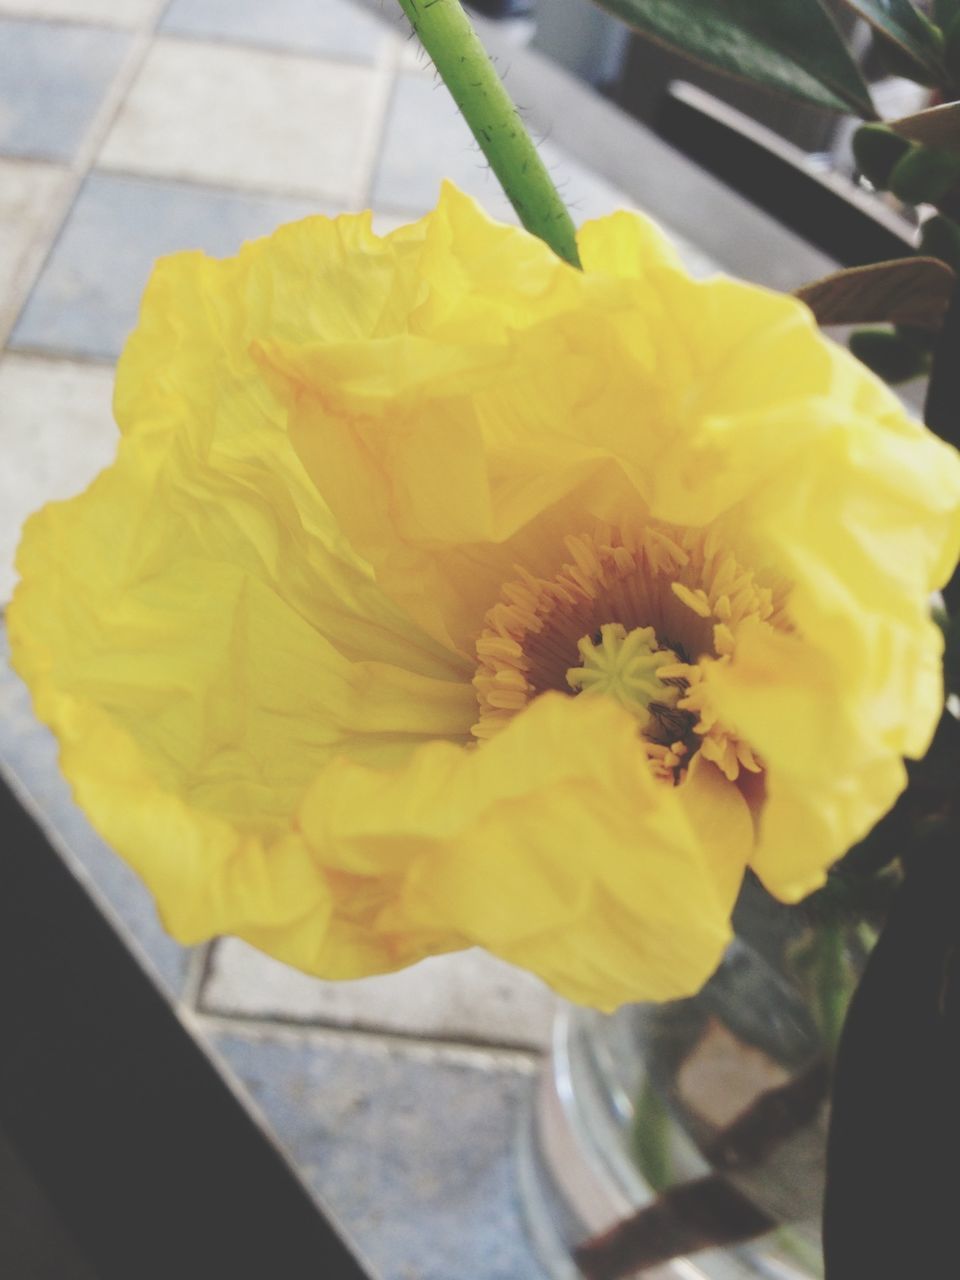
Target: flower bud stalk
[(465, 68)]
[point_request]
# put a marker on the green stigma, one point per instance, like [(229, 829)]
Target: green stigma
[(624, 665)]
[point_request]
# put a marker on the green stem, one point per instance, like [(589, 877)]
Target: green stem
[(463, 65), (832, 983), (650, 1137)]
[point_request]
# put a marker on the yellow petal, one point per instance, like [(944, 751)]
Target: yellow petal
[(718, 813), (551, 846), (207, 875), (255, 633), (198, 619), (803, 829), (627, 245)]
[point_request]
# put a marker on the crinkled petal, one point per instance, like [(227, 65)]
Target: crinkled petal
[(188, 641), (626, 245), (255, 633), (804, 828), (551, 846), (207, 874), (196, 622)]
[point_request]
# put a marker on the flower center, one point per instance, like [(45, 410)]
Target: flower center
[(625, 665), (639, 616)]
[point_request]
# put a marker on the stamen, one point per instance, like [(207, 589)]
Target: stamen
[(640, 615), (695, 600)]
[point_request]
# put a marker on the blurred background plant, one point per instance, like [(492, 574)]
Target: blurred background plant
[(857, 89)]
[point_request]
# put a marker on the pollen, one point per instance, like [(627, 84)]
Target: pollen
[(640, 616)]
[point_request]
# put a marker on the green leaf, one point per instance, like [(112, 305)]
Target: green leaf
[(900, 22), (650, 1137), (940, 238), (925, 175), (789, 46), (951, 56), (888, 355), (876, 149)]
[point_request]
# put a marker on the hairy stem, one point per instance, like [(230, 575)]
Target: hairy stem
[(463, 65)]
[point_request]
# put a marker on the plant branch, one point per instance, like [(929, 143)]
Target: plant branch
[(465, 68)]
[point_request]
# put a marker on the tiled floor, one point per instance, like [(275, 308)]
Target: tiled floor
[(473, 998), (417, 1140), (130, 129), (86, 300), (28, 752), (107, 13), (28, 190), (251, 119), (333, 29), (53, 78), (55, 422)]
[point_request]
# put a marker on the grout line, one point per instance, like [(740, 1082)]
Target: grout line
[(335, 203), (40, 355), (199, 963), (67, 20), (338, 201), (394, 69), (477, 1054), (381, 61), (378, 145), (387, 68), (51, 227), (375, 140)]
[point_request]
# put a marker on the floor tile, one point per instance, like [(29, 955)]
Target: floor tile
[(425, 141), (29, 191), (331, 28), (384, 223), (469, 997), (28, 752), (413, 56), (56, 432), (86, 299), (110, 13), (413, 1152), (52, 80), (251, 120), (587, 195)]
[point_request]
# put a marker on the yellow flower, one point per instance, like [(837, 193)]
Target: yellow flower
[(443, 595)]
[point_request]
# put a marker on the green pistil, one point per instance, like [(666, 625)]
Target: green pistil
[(624, 665)]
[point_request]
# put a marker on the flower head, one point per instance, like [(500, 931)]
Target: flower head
[(442, 595)]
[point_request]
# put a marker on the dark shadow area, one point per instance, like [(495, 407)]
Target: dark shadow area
[(119, 1129)]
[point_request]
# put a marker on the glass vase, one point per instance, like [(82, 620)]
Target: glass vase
[(717, 1104)]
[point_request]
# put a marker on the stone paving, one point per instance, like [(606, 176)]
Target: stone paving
[(130, 129)]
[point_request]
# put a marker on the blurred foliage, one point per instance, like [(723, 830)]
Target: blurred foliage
[(788, 46)]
